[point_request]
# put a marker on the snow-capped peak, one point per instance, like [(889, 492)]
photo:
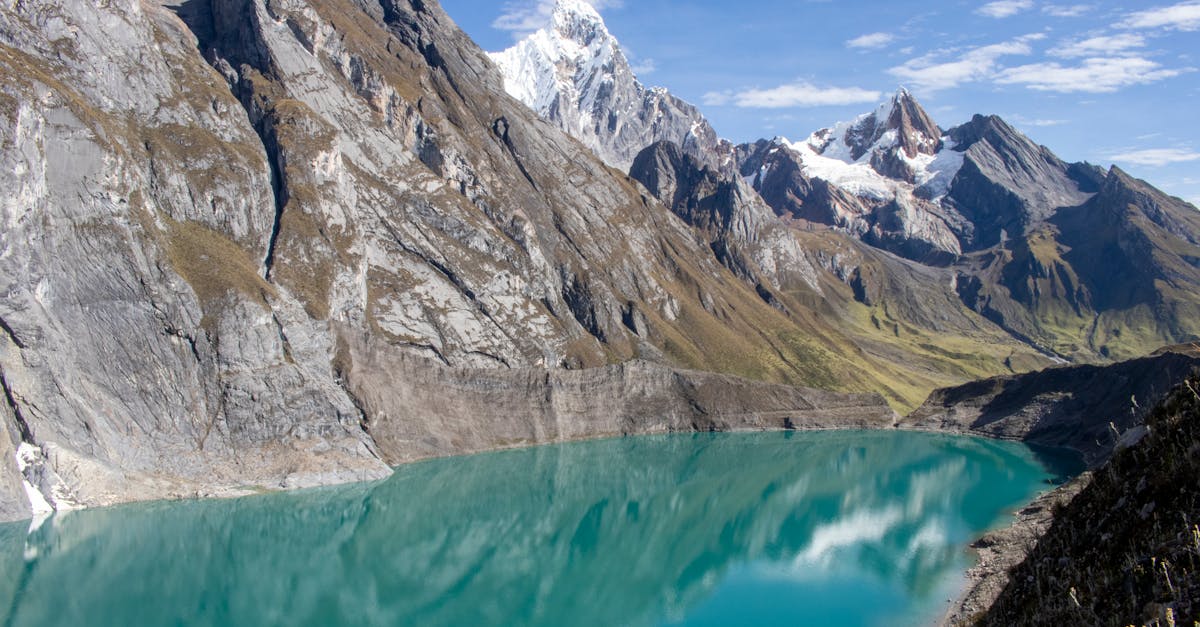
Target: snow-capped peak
[(579, 22), (549, 63), (898, 122), (573, 73), (889, 152), (568, 10)]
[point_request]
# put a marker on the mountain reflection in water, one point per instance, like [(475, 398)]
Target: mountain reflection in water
[(855, 527)]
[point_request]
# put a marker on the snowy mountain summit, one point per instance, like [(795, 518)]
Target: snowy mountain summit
[(573, 73), (896, 150), (895, 136)]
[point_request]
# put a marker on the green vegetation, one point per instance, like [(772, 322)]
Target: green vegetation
[(214, 266)]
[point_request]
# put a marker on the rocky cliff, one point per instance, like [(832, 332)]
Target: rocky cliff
[(214, 209)]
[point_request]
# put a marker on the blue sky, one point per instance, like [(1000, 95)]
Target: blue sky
[(1105, 82)]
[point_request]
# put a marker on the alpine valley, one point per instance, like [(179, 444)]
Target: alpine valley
[(255, 245), (250, 245)]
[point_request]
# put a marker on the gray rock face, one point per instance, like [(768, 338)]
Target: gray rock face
[(14, 504), (475, 410), (724, 207), (574, 74), (201, 200), (1007, 183)]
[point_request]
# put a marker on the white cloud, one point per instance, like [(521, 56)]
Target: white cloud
[(871, 41), (1066, 10), (1095, 75), (1102, 45), (1004, 8), (1182, 16), (1041, 123), (522, 17), (800, 94), (717, 98), (1156, 156), (644, 67), (974, 65)]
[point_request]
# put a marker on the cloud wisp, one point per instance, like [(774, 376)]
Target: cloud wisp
[(1066, 10), (798, 94), (1184, 16), (1100, 75), (976, 64), (1100, 45), (1156, 157), (871, 41), (1004, 8)]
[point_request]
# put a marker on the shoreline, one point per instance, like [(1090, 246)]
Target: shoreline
[(1000, 550)]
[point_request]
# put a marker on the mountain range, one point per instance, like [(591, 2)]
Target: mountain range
[(255, 245), (1074, 261)]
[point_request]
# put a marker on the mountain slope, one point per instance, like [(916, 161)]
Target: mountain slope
[(232, 228), (1066, 257), (903, 321)]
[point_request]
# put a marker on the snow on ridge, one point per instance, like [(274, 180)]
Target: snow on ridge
[(934, 173), (545, 65), (827, 155), (573, 8)]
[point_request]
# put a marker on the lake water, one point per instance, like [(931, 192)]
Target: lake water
[(824, 528)]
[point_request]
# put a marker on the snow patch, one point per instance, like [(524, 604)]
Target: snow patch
[(28, 457)]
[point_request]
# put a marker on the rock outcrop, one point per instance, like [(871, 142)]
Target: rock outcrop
[(1086, 408), (420, 409)]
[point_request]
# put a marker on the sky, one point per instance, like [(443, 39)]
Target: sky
[(1097, 81)]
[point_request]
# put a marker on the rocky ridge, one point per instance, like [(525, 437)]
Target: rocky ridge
[(1086, 408), (1124, 551), (1011, 219)]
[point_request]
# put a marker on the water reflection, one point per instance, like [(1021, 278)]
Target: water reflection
[(638, 531)]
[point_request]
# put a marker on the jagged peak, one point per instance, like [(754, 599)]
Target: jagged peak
[(575, 9), (578, 21), (898, 121), (918, 133)]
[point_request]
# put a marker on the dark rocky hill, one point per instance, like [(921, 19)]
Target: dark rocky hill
[(1126, 550), (1087, 408)]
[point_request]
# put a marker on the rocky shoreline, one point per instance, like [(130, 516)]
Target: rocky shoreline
[(1001, 550)]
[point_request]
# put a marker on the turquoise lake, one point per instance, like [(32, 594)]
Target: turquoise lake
[(820, 528)]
